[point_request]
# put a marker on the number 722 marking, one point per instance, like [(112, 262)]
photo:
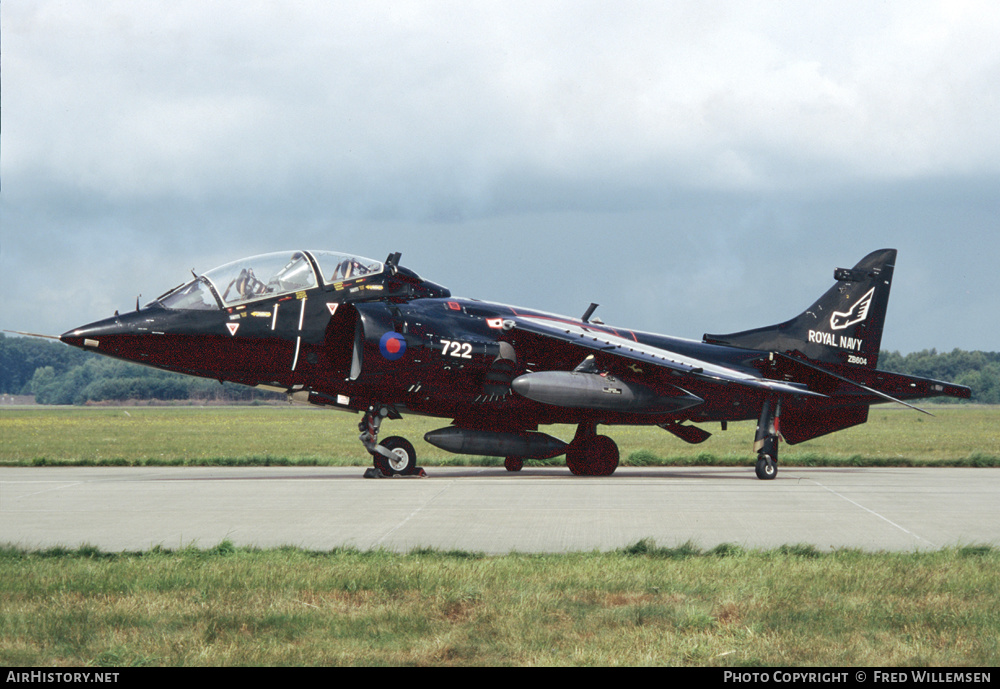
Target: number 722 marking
[(459, 350)]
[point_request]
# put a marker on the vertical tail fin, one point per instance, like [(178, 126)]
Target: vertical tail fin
[(844, 326)]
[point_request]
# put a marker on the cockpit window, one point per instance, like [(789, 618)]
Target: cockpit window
[(337, 267), (268, 275), (194, 296), (262, 276)]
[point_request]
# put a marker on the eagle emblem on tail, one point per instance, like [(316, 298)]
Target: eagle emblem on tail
[(854, 315)]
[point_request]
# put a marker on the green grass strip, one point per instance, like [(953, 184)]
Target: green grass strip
[(642, 605)]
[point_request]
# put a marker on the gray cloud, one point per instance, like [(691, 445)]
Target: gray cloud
[(688, 166)]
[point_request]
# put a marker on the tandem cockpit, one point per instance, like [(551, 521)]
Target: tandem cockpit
[(195, 306), (288, 272)]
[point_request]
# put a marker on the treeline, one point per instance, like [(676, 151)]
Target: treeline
[(57, 374)]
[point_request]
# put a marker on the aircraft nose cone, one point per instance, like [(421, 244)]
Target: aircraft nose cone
[(129, 327), (90, 335)]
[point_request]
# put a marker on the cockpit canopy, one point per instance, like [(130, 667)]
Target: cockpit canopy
[(265, 276)]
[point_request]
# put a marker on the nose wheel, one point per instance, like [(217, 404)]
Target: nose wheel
[(402, 459), (395, 455)]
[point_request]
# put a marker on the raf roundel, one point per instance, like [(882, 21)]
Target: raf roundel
[(392, 345)]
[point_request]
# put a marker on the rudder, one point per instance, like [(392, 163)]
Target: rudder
[(844, 326)]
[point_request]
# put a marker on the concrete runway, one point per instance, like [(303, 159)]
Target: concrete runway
[(489, 510)]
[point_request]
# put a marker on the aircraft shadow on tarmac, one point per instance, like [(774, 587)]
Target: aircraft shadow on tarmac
[(492, 473)]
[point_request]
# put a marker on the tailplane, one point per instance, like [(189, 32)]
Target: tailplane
[(844, 326)]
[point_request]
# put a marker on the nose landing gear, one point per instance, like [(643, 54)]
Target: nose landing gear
[(395, 455)]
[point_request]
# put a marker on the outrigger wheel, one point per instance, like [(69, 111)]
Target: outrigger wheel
[(766, 440), (766, 467)]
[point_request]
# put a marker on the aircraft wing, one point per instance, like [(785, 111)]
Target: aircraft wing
[(592, 340), (876, 383)]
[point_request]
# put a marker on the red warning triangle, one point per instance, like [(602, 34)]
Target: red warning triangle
[(332, 307), (233, 327)]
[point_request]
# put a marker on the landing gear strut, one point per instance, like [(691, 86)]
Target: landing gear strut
[(590, 454), (766, 440), (394, 455)]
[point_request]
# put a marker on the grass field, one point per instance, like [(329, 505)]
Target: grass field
[(640, 606), (644, 605), (955, 435)]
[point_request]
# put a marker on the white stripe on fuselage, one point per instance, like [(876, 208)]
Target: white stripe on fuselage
[(628, 345)]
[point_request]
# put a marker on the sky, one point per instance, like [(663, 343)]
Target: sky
[(692, 167)]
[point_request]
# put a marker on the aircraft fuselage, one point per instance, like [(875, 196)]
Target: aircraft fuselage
[(350, 333)]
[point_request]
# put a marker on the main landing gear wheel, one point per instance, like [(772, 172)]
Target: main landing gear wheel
[(593, 456), (402, 459), (513, 463), (766, 468)]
